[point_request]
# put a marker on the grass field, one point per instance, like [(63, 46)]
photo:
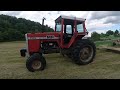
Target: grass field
[(106, 65), (103, 43)]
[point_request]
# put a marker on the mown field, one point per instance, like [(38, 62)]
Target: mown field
[(106, 65)]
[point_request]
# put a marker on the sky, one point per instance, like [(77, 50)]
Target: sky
[(99, 21)]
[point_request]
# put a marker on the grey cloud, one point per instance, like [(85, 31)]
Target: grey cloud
[(11, 13), (14, 13), (103, 14), (91, 29), (113, 20), (58, 12)]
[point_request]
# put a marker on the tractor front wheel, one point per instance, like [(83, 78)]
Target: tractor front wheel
[(35, 62)]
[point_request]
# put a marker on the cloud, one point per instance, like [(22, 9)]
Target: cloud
[(103, 14), (112, 19), (98, 15), (11, 13), (38, 15)]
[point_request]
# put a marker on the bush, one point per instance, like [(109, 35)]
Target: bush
[(95, 36)]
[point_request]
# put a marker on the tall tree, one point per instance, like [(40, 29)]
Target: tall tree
[(116, 33), (109, 32)]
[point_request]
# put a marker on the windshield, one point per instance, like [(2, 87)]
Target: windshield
[(80, 28), (58, 27), (69, 29)]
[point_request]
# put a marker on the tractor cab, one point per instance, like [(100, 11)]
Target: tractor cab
[(70, 26)]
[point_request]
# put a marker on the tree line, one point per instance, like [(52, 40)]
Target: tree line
[(12, 28), (97, 37)]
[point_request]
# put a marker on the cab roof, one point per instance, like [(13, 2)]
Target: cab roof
[(71, 18)]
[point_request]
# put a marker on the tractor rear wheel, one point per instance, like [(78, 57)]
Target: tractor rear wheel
[(84, 52), (35, 62), (69, 55), (61, 53)]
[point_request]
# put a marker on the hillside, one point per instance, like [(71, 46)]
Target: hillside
[(12, 28)]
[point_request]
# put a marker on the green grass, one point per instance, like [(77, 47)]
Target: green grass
[(12, 66), (106, 41), (103, 43), (112, 37)]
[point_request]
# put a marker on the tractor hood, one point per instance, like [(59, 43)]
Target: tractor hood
[(45, 35)]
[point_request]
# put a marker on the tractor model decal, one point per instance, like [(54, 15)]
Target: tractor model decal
[(47, 37)]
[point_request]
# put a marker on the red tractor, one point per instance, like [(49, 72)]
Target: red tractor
[(66, 39)]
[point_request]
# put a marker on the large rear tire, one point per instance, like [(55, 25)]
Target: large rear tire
[(84, 52), (69, 55), (61, 53), (36, 62)]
